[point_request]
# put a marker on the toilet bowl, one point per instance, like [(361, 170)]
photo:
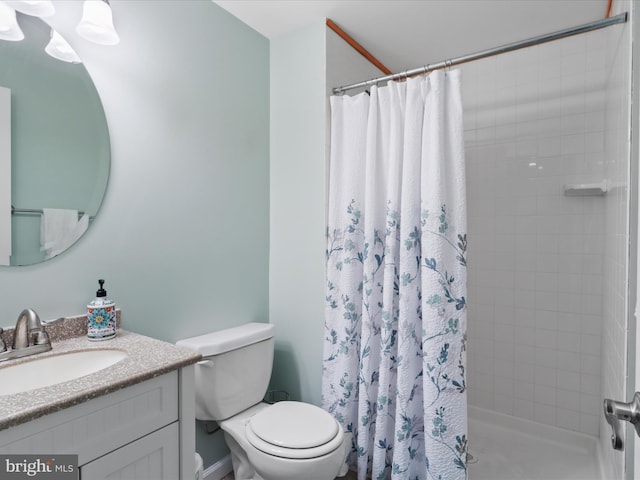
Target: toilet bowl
[(284, 441)]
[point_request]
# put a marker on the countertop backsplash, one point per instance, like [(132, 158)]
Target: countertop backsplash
[(61, 329)]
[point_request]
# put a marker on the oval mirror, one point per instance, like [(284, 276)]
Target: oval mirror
[(60, 155)]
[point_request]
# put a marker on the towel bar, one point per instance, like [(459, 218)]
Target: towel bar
[(15, 210)]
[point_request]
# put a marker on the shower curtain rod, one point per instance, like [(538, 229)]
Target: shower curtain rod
[(587, 27)]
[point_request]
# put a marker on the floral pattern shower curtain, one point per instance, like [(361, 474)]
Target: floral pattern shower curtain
[(394, 351)]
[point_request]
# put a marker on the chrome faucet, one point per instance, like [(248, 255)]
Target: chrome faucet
[(29, 337), (29, 331)]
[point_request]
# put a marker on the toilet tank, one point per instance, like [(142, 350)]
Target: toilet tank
[(235, 370)]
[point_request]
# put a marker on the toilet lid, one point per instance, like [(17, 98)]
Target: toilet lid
[(294, 425)]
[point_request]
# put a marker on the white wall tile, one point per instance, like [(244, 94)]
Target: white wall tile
[(524, 408), (570, 361), (545, 413), (569, 419), (548, 270), (589, 424)]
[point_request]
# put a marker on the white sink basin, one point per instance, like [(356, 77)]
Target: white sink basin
[(47, 371)]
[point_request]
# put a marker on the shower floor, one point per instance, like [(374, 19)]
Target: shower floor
[(507, 448)]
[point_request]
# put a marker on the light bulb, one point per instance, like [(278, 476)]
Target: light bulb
[(97, 23), (59, 48), (9, 28), (36, 8)]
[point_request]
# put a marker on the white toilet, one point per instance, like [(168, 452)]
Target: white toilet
[(283, 441)]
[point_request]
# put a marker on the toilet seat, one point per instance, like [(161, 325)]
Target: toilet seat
[(294, 430)]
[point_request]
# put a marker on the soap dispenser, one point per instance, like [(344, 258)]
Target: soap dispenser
[(101, 316)]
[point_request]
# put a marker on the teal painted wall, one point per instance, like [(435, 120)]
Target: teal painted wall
[(182, 237), (305, 65), (297, 215)]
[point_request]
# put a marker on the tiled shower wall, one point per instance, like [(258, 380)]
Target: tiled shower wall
[(615, 305), (535, 121)]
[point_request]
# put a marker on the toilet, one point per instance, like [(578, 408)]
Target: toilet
[(284, 441)]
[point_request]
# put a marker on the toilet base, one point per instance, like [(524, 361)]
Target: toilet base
[(242, 468)]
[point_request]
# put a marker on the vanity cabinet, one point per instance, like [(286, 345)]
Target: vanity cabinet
[(154, 456), (142, 432)]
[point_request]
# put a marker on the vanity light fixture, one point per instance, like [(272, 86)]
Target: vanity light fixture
[(9, 28), (35, 8), (59, 48), (97, 23)]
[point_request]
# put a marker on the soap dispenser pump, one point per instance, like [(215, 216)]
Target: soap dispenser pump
[(101, 316)]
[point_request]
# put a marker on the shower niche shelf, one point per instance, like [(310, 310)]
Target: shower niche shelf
[(585, 189)]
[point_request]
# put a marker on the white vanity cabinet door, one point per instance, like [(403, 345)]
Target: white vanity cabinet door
[(101, 425), (142, 432), (154, 457)]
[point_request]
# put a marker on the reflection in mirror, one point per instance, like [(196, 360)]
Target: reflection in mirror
[(60, 149)]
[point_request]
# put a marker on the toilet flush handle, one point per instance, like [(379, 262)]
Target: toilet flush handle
[(205, 363), (615, 411)]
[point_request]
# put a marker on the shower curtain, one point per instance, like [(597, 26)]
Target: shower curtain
[(394, 348)]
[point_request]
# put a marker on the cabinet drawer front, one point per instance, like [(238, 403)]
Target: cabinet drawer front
[(154, 457), (97, 427)]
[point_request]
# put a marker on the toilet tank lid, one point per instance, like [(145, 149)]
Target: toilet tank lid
[(222, 341)]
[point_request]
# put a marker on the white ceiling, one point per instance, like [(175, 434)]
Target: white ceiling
[(405, 34)]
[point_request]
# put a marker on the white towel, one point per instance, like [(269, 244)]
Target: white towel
[(59, 229)]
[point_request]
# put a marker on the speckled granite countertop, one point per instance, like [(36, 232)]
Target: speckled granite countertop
[(146, 358)]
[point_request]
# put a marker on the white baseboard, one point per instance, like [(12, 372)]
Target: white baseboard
[(218, 470)]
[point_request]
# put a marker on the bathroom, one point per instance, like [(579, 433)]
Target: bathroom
[(206, 217)]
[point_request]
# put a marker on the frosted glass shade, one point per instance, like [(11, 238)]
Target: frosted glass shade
[(36, 8), (9, 28), (59, 48), (97, 23)]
